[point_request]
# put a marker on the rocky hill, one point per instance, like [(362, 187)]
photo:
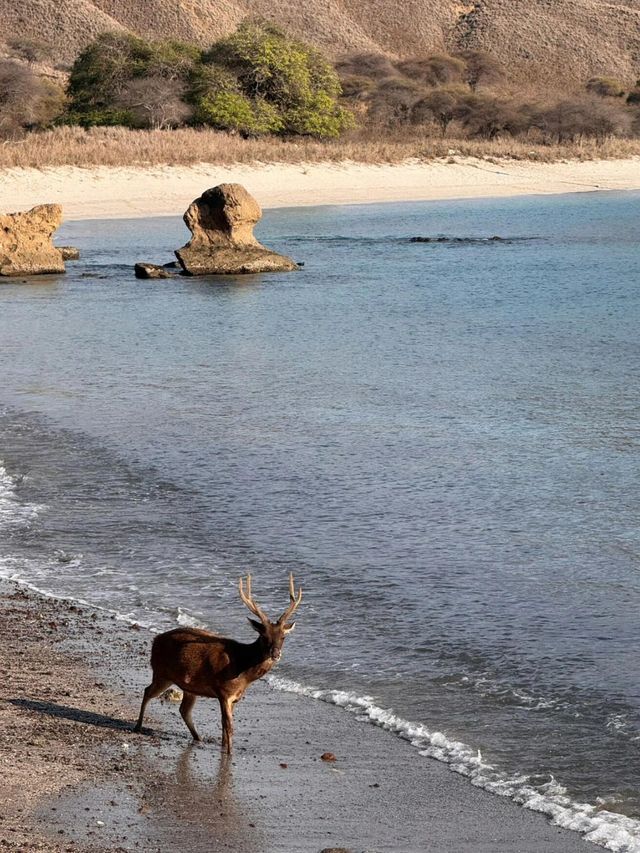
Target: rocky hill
[(549, 41)]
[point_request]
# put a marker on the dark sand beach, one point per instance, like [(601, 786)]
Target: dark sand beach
[(75, 777)]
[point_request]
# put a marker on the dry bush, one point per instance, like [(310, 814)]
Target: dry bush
[(356, 87), (31, 50), (434, 70), (375, 66), (481, 68), (393, 100), (25, 100), (605, 87), (441, 106), (488, 117), (569, 121)]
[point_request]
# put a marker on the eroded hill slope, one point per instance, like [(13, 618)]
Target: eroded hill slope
[(545, 40)]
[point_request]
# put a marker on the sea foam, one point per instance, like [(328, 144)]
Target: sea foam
[(611, 830), (13, 512)]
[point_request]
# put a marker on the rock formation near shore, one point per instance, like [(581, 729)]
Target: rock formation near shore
[(26, 247), (221, 222)]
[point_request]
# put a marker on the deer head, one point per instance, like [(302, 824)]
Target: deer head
[(272, 634)]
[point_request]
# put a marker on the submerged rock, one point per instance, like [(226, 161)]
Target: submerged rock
[(26, 247), (221, 222), (70, 253), (151, 271)]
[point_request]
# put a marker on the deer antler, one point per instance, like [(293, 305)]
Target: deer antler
[(251, 604), (295, 600)]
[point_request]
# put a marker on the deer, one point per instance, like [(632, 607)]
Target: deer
[(202, 663)]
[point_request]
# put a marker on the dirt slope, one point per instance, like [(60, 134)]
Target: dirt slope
[(546, 40)]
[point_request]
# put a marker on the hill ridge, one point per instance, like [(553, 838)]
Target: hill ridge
[(536, 40)]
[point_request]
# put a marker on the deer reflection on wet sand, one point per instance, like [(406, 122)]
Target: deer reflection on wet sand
[(202, 795)]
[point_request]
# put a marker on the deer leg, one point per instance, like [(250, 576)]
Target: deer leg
[(153, 690), (226, 708), (186, 706)]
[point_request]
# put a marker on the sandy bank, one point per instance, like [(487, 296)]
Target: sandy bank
[(73, 777), (158, 191)]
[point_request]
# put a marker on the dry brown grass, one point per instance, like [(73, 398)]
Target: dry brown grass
[(72, 146)]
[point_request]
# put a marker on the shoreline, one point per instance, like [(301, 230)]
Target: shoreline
[(122, 193), (85, 783)]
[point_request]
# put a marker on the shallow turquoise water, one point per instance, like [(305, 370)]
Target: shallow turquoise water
[(441, 439)]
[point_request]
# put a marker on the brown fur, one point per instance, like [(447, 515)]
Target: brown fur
[(202, 663)]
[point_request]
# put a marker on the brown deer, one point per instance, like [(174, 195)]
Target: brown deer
[(204, 664)]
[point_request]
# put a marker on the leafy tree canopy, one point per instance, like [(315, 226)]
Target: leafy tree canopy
[(289, 75)]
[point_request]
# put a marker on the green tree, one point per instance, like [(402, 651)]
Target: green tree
[(295, 79), (118, 79), (172, 60), (102, 70), (236, 112)]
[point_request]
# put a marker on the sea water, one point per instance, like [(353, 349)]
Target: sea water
[(440, 439)]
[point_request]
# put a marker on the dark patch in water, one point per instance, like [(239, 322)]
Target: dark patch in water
[(473, 241)]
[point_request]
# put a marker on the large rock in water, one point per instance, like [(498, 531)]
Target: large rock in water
[(221, 222), (25, 241)]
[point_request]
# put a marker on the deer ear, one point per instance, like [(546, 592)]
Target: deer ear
[(257, 626), (289, 628)]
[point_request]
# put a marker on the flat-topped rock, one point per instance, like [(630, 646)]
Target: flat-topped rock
[(221, 222), (26, 247)]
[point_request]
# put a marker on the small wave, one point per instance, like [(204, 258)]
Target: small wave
[(8, 573), (186, 619), (506, 694), (13, 512), (610, 830)]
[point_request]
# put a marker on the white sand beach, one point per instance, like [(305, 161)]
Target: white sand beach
[(107, 192)]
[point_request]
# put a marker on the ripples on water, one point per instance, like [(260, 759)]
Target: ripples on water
[(440, 438)]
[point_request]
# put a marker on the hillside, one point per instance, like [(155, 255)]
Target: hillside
[(545, 40)]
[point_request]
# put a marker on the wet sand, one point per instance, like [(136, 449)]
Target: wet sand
[(75, 778)]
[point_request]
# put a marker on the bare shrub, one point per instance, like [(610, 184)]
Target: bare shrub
[(434, 70), (573, 120), (25, 100), (605, 87), (442, 106), (489, 117), (31, 50), (155, 102), (393, 101)]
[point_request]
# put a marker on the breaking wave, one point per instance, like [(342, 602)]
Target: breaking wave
[(610, 830)]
